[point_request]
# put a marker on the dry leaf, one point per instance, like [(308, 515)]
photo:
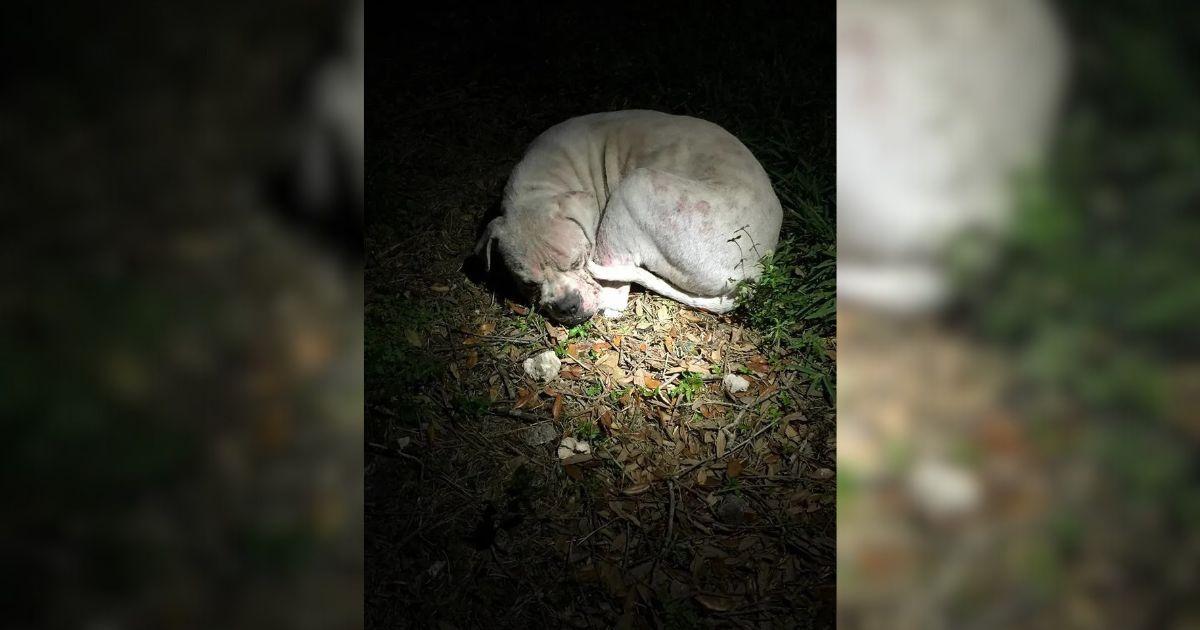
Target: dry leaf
[(735, 468), (701, 476), (822, 473), (440, 288), (643, 347), (600, 346), (720, 443), (574, 372), (577, 459), (716, 603), (636, 489), (525, 398), (663, 314), (651, 383), (616, 341), (573, 350), (669, 342), (556, 411), (413, 338), (715, 356), (517, 308), (472, 359), (486, 328)]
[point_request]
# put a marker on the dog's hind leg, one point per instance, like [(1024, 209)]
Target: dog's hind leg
[(629, 273)]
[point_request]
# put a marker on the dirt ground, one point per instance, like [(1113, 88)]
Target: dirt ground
[(691, 507)]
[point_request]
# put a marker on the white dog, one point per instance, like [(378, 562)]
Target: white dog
[(939, 104), (675, 204)]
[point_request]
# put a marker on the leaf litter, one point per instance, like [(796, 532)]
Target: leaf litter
[(636, 437)]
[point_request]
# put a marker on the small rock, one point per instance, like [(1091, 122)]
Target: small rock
[(566, 447), (543, 367), (539, 434), (822, 473), (732, 510), (943, 489), (734, 383), (582, 447), (687, 348)]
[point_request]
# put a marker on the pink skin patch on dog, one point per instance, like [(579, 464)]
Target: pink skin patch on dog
[(604, 254), (685, 205)]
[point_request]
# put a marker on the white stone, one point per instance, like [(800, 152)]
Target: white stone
[(734, 383), (942, 489), (544, 367)]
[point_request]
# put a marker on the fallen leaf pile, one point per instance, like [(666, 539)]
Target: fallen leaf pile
[(661, 486), (692, 506)]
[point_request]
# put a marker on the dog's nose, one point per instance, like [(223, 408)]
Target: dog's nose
[(569, 304)]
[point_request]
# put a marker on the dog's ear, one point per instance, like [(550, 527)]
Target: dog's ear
[(493, 230), (579, 207)]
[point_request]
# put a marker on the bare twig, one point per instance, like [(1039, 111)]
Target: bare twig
[(589, 535), (491, 337), (764, 429), (671, 520)]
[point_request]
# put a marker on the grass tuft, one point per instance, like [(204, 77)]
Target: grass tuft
[(794, 305)]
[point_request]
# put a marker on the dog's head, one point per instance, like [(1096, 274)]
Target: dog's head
[(547, 253)]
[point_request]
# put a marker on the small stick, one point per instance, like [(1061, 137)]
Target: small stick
[(769, 425), (671, 520), (494, 337)]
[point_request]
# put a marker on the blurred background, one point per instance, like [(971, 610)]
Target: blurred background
[(1018, 291), (181, 315)]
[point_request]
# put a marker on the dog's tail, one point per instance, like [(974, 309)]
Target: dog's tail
[(629, 273)]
